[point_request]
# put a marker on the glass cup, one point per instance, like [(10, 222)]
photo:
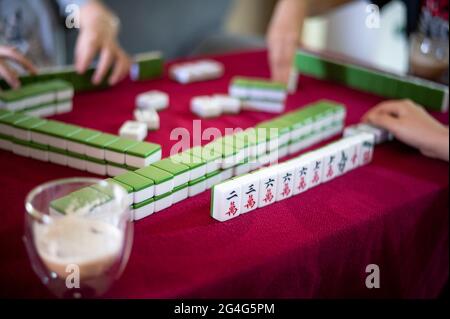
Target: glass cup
[(428, 58), (78, 235)]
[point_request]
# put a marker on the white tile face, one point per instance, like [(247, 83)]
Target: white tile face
[(163, 203), (164, 187), (145, 211), (228, 162), (141, 162), (150, 117), (354, 156), (227, 174), (133, 130), (6, 145), (274, 157), (264, 159), (144, 194), (285, 181), (303, 174), (226, 203), (250, 192), (76, 147), (21, 150), (57, 158), (295, 147), (366, 149), (197, 172), (344, 159), (76, 163), (330, 164), (154, 100), (57, 142), (273, 144), (49, 140), (267, 186), (211, 181), (96, 168), (283, 151), (283, 139), (46, 111), (205, 107), (293, 81), (228, 104), (242, 169), (180, 195), (181, 179), (94, 152), (6, 130), (64, 107), (38, 138), (196, 71), (23, 135), (196, 189), (317, 168), (114, 157), (212, 167), (39, 155), (263, 106), (238, 92), (64, 95), (114, 171)]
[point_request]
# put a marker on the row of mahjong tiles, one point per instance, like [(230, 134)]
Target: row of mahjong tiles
[(72, 145), (431, 95), (41, 99), (173, 179), (275, 183), (145, 66)]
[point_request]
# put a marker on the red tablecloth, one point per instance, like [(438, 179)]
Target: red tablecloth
[(393, 213)]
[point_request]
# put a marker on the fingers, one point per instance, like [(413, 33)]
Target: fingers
[(12, 54), (392, 108), (9, 74), (281, 57), (85, 51), (385, 121), (121, 68), (106, 59)]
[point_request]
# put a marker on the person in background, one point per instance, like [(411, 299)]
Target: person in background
[(32, 36), (427, 23)]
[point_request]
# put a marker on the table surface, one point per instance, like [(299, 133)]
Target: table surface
[(392, 213)]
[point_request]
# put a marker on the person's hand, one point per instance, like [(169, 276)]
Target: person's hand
[(98, 34), (411, 124), (10, 75), (283, 37)]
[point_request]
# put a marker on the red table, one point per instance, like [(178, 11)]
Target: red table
[(393, 213)]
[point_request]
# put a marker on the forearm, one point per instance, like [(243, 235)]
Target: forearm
[(290, 15)]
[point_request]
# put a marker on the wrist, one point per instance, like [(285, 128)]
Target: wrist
[(439, 147), (95, 16)]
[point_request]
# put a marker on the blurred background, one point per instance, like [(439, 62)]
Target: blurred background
[(185, 28)]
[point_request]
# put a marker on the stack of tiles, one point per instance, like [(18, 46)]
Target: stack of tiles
[(266, 186), (73, 146), (214, 106), (259, 94), (187, 174), (147, 106), (147, 66), (202, 70), (392, 86), (381, 135), (40, 99)]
